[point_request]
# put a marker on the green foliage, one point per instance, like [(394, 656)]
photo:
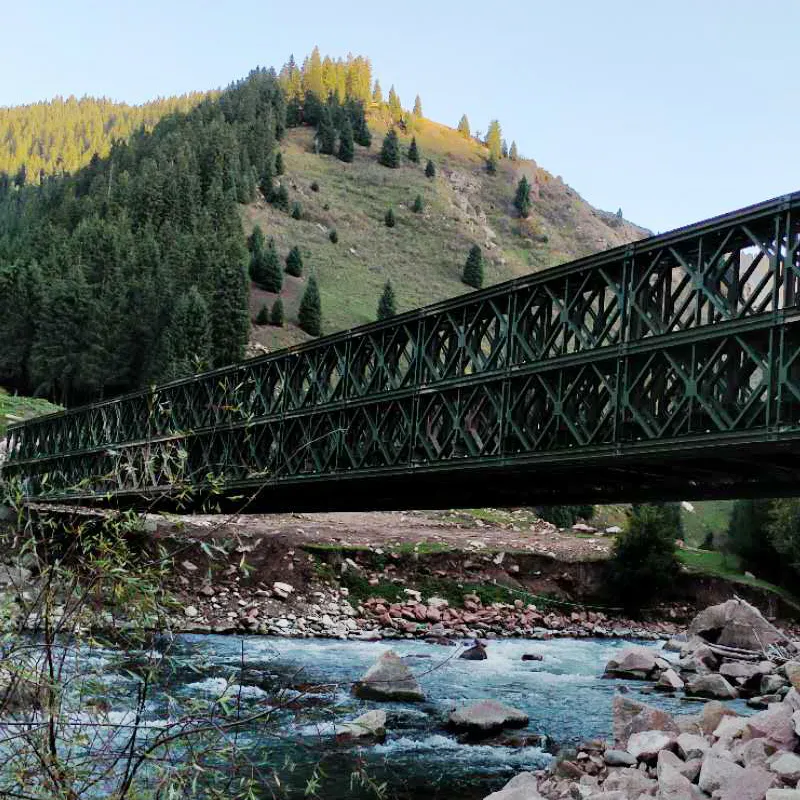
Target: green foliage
[(644, 566), (279, 169), (276, 316), (473, 268), (430, 169), (565, 516), (389, 219), (326, 133), (784, 533), (315, 186), (377, 93), (390, 151), (491, 165), (413, 151), (265, 270), (513, 153), (504, 149), (334, 236), (494, 140), (522, 199), (189, 336), (395, 106), (748, 535), (346, 147), (262, 318), (463, 126), (387, 307), (14, 408), (280, 198), (297, 210), (310, 314), (417, 107), (419, 204), (294, 262)]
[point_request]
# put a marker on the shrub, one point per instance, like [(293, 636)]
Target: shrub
[(280, 198), (419, 204), (390, 151), (297, 211), (279, 163), (430, 169), (294, 262), (473, 268), (276, 315), (387, 307), (310, 314), (334, 236), (643, 565), (389, 219), (262, 318), (565, 516), (315, 186)]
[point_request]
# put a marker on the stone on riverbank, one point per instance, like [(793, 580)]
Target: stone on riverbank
[(619, 758), (646, 746), (637, 663), (712, 685), (487, 716), (631, 716), (388, 679), (792, 670), (775, 725), (521, 787), (735, 623), (475, 653), (669, 681), (786, 766), (371, 725)]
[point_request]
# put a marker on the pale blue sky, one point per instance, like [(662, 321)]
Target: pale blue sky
[(673, 110)]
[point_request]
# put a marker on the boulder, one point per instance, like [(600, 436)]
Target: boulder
[(691, 746), (752, 784), (711, 715), (783, 794), (796, 722), (775, 725), (669, 681), (718, 773), (735, 623), (521, 787), (475, 653), (754, 752), (711, 685), (487, 716), (689, 769), (630, 716), (771, 684), (730, 728), (786, 766), (792, 670), (740, 671), (792, 699), (637, 663), (630, 782), (674, 786), (371, 725), (619, 758), (646, 746), (388, 679)]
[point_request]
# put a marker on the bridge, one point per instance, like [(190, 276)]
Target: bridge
[(668, 368)]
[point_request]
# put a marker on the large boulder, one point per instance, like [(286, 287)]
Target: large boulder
[(752, 784), (712, 714), (718, 773), (786, 766), (674, 786), (792, 669), (630, 782), (775, 725), (646, 746), (371, 725), (388, 679), (631, 716), (735, 623), (711, 685), (475, 653), (637, 663), (487, 716), (692, 746), (521, 787), (783, 794), (669, 681)]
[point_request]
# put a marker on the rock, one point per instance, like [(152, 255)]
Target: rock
[(796, 722), (783, 794), (712, 714), (754, 752), (786, 766), (630, 782), (371, 725), (388, 679), (735, 623), (792, 670), (674, 786), (282, 590), (730, 728), (669, 681), (630, 716), (771, 684), (532, 657), (487, 716), (637, 663), (14, 577), (792, 699), (475, 653), (752, 784), (646, 746), (739, 671), (690, 769), (619, 758), (692, 746), (521, 787), (191, 612), (718, 773), (712, 685), (775, 725)]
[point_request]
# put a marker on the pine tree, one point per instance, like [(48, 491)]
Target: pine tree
[(463, 126), (494, 140), (513, 153), (326, 133), (294, 262), (419, 205), (473, 268), (491, 165), (504, 149), (334, 236), (417, 107), (387, 305), (271, 273), (280, 198), (230, 321), (189, 336), (279, 163), (522, 200), (262, 318), (346, 147), (309, 316), (389, 219), (276, 315), (430, 169), (297, 210), (377, 93), (413, 151), (395, 106), (390, 151)]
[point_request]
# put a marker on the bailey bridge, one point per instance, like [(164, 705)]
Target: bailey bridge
[(668, 368)]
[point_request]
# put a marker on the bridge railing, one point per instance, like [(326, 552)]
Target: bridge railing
[(731, 272)]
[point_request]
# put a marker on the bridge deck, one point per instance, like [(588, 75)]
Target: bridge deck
[(666, 368)]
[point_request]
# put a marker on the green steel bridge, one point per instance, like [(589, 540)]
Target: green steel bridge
[(668, 368)]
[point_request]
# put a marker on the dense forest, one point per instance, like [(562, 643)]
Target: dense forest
[(133, 269)]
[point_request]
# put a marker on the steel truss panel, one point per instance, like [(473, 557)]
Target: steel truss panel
[(677, 344)]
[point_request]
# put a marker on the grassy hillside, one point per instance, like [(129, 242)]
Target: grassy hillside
[(423, 255), (14, 409)]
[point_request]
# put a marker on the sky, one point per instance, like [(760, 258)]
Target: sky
[(672, 110)]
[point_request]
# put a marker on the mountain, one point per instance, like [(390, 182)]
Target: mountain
[(133, 268)]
